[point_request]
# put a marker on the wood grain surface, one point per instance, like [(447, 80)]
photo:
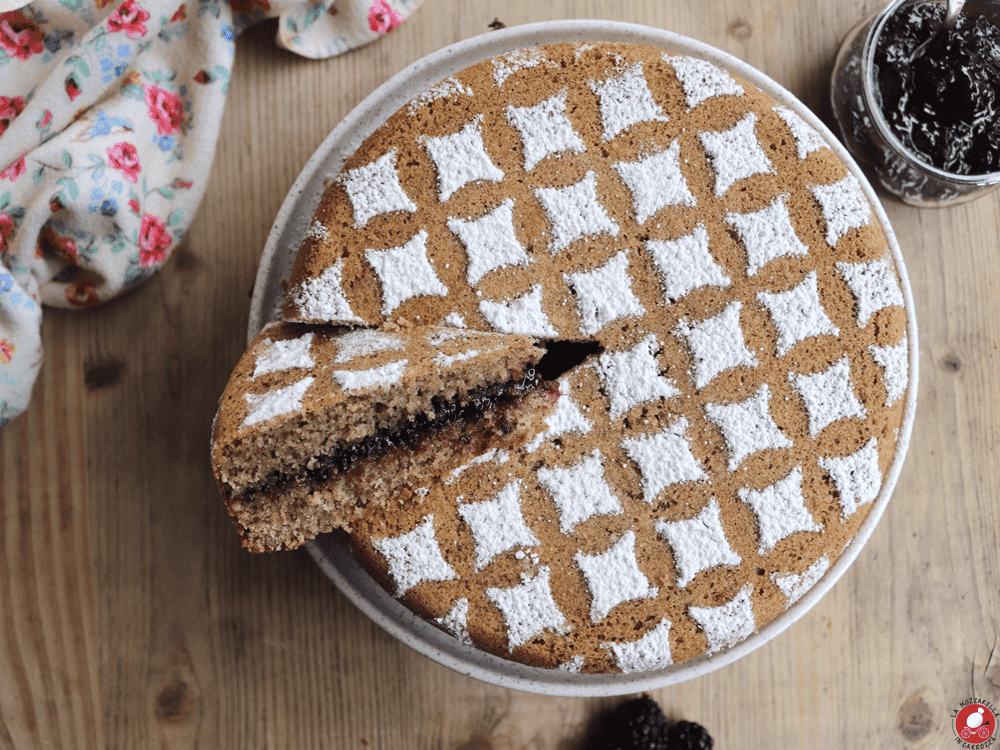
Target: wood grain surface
[(131, 618)]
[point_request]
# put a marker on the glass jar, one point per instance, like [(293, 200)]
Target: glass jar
[(857, 110)]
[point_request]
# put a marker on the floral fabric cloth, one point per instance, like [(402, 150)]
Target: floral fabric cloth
[(109, 116)]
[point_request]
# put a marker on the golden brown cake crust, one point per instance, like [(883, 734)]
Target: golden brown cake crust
[(724, 449)]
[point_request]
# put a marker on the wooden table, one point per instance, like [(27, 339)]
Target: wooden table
[(131, 618)]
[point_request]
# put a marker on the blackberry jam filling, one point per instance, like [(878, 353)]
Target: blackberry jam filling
[(500, 399)]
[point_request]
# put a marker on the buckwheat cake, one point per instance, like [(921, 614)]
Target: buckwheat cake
[(722, 442)]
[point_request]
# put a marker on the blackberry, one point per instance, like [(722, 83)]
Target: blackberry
[(686, 735), (638, 724)]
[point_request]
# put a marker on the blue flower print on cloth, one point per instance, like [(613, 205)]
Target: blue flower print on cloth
[(109, 117)]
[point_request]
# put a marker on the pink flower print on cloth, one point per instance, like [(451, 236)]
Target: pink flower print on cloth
[(110, 112)]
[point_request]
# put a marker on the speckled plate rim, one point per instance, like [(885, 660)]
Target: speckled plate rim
[(276, 263)]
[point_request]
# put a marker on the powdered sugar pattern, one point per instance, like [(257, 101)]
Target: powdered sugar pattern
[(797, 314), (686, 264), (497, 525), (414, 558), (504, 67), (735, 153), (795, 585), (701, 79), (490, 241), (322, 298), (363, 342), (894, 363), (781, 510), (633, 377), (447, 360), (566, 418), (375, 377), (844, 207), (729, 624), (716, 344), (448, 88), (747, 426), (828, 396), (626, 101), (874, 286), (374, 189), (316, 231), (807, 139), (767, 234), (648, 653), (575, 212), (698, 543), (545, 130), (664, 459), (276, 402), (290, 354), (461, 158), (857, 476), (579, 492), (656, 182), (528, 609), (455, 621), (523, 315), (573, 665), (604, 294), (405, 272), (613, 577)]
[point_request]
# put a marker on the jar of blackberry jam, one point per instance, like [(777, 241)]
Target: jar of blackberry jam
[(925, 128)]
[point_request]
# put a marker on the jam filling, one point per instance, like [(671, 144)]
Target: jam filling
[(944, 105), (498, 397)]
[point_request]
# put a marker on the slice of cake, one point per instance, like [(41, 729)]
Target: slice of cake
[(319, 422)]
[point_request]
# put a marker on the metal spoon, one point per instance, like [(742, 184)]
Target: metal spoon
[(950, 18)]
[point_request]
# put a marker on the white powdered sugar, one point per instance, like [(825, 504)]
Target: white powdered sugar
[(528, 609), (283, 355), (566, 418), (405, 272), (522, 59), (447, 360), (857, 477), (807, 139), (781, 510), (795, 585), (702, 80), (461, 158), (729, 624), (490, 242), (454, 320), (626, 101), (686, 264), (448, 88), (579, 492), (735, 153), (574, 212), (496, 454), (698, 543), (316, 231), (747, 426), (664, 459), (523, 315), (767, 234), (874, 286), (716, 344), (656, 182), (414, 558), (572, 666), (613, 577), (604, 294), (375, 189), (322, 297), (497, 525), (646, 654), (275, 402), (797, 314), (828, 395), (375, 377), (363, 342), (633, 377), (844, 207), (455, 621), (545, 130), (436, 338), (894, 363)]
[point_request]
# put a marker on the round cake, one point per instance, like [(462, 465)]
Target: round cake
[(743, 332)]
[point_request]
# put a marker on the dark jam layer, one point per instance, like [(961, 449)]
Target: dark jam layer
[(496, 397), (945, 105)]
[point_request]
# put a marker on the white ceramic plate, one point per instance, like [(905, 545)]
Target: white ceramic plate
[(275, 266)]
